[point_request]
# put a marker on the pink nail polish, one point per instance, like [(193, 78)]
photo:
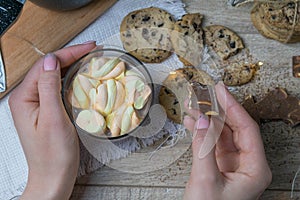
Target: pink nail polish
[(50, 62), (202, 122), (90, 42)]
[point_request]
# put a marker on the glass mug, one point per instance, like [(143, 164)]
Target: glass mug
[(61, 5)]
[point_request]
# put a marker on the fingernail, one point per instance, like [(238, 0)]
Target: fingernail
[(90, 42), (221, 89), (202, 123), (50, 62)]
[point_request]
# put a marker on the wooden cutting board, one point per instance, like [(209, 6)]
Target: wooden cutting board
[(39, 29)]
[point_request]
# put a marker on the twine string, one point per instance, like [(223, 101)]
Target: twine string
[(170, 141), (294, 182)]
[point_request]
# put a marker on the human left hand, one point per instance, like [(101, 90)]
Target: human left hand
[(48, 137)]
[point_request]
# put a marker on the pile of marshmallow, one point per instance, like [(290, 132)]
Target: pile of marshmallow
[(108, 96)]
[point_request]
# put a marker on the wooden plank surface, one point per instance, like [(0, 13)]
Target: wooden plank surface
[(40, 30), (282, 151), (281, 141), (154, 193), (126, 193)]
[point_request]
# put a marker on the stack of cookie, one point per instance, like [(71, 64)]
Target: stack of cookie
[(152, 34), (279, 20)]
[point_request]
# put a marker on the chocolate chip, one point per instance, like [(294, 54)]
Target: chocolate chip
[(273, 17), (158, 57), (146, 18), (247, 68), (167, 91), (227, 76), (160, 25), (291, 5), (221, 34), (170, 18), (186, 33), (188, 74), (161, 38), (133, 16), (175, 102), (232, 44), (195, 26), (174, 111)]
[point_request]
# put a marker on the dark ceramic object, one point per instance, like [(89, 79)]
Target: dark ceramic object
[(61, 5)]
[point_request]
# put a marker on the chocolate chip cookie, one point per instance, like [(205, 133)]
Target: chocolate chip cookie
[(277, 20), (187, 39), (181, 85), (223, 41), (145, 34), (236, 74)]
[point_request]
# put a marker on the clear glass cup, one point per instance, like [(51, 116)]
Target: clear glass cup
[(81, 65)]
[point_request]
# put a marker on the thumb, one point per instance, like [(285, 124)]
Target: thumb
[(49, 88), (204, 171)]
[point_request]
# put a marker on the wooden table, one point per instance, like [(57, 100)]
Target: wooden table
[(281, 142)]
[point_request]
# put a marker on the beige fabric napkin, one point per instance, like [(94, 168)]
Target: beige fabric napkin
[(13, 166)]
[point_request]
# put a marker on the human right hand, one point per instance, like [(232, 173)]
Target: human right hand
[(236, 168)]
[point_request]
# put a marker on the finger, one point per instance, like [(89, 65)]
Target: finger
[(204, 170), (225, 143), (226, 152), (239, 120), (69, 55), (213, 133), (233, 110), (246, 134), (51, 107), (189, 123), (27, 90)]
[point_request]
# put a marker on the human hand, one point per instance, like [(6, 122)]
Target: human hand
[(236, 168), (48, 137)]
